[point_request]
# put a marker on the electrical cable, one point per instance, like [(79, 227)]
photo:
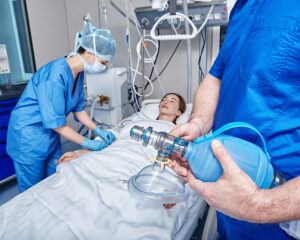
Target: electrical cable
[(147, 38), (166, 64), (133, 83), (203, 35), (156, 56), (174, 29), (146, 50), (128, 38), (147, 60), (206, 19)]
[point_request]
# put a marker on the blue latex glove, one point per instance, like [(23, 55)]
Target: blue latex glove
[(94, 145), (107, 136)]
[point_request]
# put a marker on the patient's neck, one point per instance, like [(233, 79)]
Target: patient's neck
[(166, 118)]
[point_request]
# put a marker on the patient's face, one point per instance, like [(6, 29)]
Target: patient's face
[(170, 106)]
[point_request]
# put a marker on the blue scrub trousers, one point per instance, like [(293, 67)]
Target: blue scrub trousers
[(33, 150), (30, 174)]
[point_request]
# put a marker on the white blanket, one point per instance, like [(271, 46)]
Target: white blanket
[(88, 199)]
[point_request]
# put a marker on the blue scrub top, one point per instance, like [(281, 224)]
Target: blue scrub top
[(44, 105), (259, 68)]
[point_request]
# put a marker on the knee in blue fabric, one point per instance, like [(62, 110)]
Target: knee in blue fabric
[(50, 167), (29, 174)]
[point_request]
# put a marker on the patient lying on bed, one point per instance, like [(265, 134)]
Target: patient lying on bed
[(88, 198), (171, 106)]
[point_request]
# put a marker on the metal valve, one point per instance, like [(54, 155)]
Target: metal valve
[(165, 143)]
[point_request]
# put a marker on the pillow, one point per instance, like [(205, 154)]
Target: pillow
[(151, 111), (184, 118)]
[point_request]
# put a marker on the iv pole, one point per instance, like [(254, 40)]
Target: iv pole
[(189, 54)]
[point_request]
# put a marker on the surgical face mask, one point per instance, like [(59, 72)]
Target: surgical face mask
[(96, 67)]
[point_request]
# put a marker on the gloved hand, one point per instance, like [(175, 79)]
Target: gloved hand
[(94, 145), (107, 136)]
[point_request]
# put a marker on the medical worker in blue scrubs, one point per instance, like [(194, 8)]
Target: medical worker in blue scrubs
[(255, 79), (55, 90)]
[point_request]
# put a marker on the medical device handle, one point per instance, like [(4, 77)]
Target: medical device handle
[(177, 36), (234, 125)]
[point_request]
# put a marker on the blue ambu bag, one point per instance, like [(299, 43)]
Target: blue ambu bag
[(251, 158)]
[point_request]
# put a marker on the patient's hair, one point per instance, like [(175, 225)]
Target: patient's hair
[(182, 104)]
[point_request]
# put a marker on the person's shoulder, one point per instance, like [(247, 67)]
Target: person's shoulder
[(52, 71), (56, 65)]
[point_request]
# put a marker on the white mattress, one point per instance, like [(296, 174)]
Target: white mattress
[(88, 199)]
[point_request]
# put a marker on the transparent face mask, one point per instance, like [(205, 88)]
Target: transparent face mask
[(155, 186)]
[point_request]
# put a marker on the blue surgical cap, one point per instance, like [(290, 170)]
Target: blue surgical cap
[(98, 41)]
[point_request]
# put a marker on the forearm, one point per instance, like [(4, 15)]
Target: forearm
[(278, 204), (69, 156), (205, 101), (83, 151), (85, 119), (69, 134)]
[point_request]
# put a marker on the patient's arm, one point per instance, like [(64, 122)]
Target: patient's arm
[(68, 156)]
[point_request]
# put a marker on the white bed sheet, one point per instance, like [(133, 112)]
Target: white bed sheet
[(88, 199)]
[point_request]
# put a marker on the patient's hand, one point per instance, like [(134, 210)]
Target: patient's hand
[(68, 156)]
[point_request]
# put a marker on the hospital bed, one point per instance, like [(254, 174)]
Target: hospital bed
[(88, 198)]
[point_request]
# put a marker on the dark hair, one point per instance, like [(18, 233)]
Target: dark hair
[(182, 104), (81, 50)]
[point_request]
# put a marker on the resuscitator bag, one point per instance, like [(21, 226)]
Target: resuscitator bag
[(250, 158), (161, 185)]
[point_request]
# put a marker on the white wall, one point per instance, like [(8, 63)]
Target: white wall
[(75, 11), (54, 24), (49, 30)]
